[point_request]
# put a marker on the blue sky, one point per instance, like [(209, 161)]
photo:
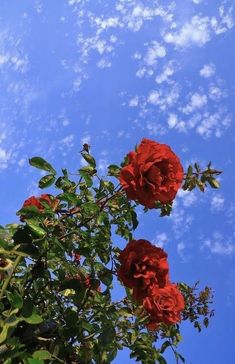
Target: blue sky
[(110, 73)]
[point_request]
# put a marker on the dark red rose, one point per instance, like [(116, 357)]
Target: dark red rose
[(153, 173), (37, 202), (143, 265), (164, 305)]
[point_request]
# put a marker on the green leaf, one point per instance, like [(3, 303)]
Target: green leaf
[(106, 277), (86, 177), (42, 354), (41, 163), (69, 197), (214, 183), (161, 360), (15, 299), (37, 230), (90, 209), (11, 322), (135, 221), (189, 171), (34, 319), (46, 181), (3, 334), (165, 345), (89, 159), (107, 335), (30, 314), (65, 184), (102, 218), (114, 170), (35, 361), (198, 169), (86, 326)]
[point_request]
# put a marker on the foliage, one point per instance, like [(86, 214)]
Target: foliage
[(58, 268)]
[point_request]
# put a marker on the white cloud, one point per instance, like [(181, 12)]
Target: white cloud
[(197, 101), (12, 55), (21, 162), (160, 240), (65, 122), (66, 144), (218, 244), (144, 71), (68, 141), (172, 120), (134, 101), (200, 29), (139, 14), (155, 128), (4, 158), (213, 123), (154, 97), (102, 165), (225, 22), (104, 24), (167, 72), (85, 140), (215, 93), (217, 203), (181, 220), (155, 51), (188, 197), (208, 70), (103, 63), (164, 100), (181, 250), (195, 32)]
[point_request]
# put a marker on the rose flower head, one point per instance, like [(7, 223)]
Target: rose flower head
[(164, 305), (143, 265), (153, 173), (38, 203)]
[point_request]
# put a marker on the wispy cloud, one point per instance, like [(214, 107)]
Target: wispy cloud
[(219, 244), (217, 203), (208, 70), (200, 29)]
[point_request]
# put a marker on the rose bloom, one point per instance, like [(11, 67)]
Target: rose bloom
[(153, 173), (164, 305), (143, 265), (36, 201)]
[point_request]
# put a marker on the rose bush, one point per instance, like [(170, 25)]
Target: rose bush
[(153, 173), (58, 266)]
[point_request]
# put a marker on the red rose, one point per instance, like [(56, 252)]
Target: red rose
[(163, 305), (36, 201), (154, 173), (142, 265), (33, 201)]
